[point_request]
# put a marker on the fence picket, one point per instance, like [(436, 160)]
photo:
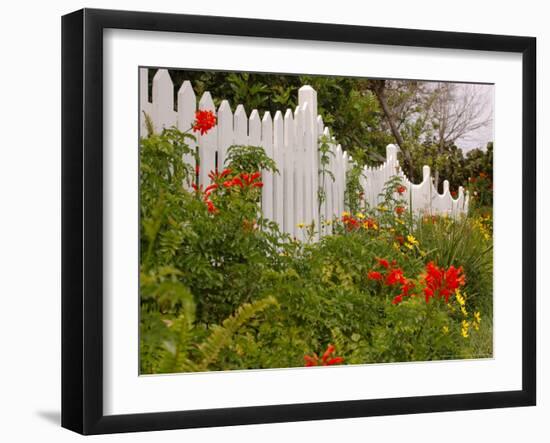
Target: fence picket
[(289, 163), (187, 106), (267, 176), (225, 132), (240, 128), (163, 114), (278, 179), (208, 143)]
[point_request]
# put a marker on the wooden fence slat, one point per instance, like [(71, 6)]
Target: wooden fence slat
[(163, 101), (144, 104), (225, 132), (187, 106), (289, 164), (240, 126), (208, 143), (267, 176), (278, 179)]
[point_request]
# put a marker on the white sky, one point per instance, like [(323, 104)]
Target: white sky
[(480, 137)]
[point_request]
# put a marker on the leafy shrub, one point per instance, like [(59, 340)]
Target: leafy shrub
[(222, 288)]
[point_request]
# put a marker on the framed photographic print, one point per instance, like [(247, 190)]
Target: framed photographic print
[(270, 221)]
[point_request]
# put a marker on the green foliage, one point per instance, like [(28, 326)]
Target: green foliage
[(249, 159), (353, 194), (324, 171), (209, 279), (462, 243)]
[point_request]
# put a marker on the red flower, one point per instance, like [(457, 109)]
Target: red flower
[(406, 287), (209, 189), (401, 189), (399, 210), (252, 179), (234, 182), (374, 275), (383, 262), (328, 352), (395, 276), (326, 359), (215, 176), (442, 282), (204, 121), (248, 180), (311, 361), (210, 206), (350, 222), (397, 299), (454, 194)]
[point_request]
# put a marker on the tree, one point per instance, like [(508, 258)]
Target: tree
[(456, 112)]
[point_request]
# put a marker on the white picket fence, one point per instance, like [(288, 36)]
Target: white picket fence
[(291, 140), (422, 197)]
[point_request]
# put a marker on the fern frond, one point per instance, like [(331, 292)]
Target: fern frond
[(222, 336), (149, 124)]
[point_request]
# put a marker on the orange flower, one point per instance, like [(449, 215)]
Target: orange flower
[(401, 189), (399, 210)]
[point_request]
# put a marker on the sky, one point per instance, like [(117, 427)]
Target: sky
[(480, 137)]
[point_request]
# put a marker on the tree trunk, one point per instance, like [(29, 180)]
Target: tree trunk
[(379, 91)]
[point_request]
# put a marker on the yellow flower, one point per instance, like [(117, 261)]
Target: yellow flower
[(464, 311), (465, 328), (345, 214), (408, 245), (477, 317), (459, 298), (301, 225), (360, 216), (412, 240), (477, 320), (396, 246), (382, 208), (401, 222), (445, 329)]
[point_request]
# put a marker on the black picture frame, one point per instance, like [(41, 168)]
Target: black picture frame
[(82, 220)]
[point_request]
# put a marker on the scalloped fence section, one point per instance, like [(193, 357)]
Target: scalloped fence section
[(291, 139), (423, 197)]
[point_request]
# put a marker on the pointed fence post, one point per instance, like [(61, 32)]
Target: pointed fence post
[(163, 101), (208, 143), (187, 106), (225, 132)]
